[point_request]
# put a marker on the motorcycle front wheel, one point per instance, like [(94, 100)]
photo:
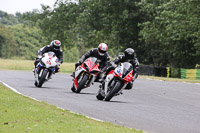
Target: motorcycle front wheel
[(113, 91), (42, 78), (82, 83)]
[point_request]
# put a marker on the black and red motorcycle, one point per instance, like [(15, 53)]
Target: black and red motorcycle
[(85, 74)]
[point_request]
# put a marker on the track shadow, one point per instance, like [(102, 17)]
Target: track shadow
[(41, 87), (117, 101), (81, 93), (50, 88), (113, 101)]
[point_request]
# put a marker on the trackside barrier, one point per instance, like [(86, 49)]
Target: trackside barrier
[(190, 74), (153, 71), (170, 72)]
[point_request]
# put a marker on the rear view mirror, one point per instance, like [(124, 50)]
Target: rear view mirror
[(98, 61)]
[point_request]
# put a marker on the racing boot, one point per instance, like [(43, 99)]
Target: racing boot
[(73, 75)]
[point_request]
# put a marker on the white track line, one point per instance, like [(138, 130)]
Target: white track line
[(172, 81), (154, 79), (13, 89)]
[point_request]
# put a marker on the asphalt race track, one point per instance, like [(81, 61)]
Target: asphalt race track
[(152, 105)]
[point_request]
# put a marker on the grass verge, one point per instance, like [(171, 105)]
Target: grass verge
[(10, 64), (22, 114)]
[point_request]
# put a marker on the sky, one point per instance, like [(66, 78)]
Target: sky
[(13, 6)]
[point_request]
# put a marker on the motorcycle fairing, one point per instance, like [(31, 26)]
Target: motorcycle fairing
[(92, 66), (77, 72), (129, 77), (119, 72), (49, 60)]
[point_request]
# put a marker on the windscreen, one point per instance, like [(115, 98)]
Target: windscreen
[(51, 54), (127, 69), (92, 60)]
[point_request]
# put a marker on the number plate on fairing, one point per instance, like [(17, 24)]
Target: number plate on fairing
[(118, 71)]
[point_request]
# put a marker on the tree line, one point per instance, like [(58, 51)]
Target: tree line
[(162, 32)]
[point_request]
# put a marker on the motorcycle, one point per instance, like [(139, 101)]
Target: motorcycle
[(115, 82), (85, 74), (45, 68)]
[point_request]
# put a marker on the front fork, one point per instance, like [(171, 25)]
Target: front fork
[(107, 81), (38, 75)]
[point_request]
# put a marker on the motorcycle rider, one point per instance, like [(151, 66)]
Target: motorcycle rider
[(100, 53), (53, 47), (128, 56)]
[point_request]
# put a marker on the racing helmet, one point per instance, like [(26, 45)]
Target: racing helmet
[(56, 44), (129, 53), (102, 49)]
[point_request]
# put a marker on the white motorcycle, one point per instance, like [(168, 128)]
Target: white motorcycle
[(45, 68)]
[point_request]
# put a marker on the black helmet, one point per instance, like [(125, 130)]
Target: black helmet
[(129, 53), (56, 44)]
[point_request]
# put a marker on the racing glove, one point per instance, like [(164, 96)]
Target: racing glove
[(113, 64)]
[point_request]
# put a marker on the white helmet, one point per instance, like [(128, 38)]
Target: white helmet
[(102, 49), (56, 44)]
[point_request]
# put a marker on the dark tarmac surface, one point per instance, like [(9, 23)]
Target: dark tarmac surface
[(152, 105)]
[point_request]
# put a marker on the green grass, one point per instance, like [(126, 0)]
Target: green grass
[(10, 64), (21, 114)]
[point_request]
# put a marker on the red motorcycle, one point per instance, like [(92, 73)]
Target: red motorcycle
[(85, 74), (116, 81)]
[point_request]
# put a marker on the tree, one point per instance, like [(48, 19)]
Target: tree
[(28, 40), (7, 43), (171, 31)]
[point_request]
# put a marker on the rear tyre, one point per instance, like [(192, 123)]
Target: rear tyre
[(73, 88), (36, 83), (42, 78), (82, 83), (99, 95), (113, 91)]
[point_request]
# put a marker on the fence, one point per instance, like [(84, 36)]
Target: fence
[(170, 72), (153, 71), (190, 74)]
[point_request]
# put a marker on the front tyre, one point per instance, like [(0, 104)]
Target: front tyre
[(82, 83), (42, 78), (113, 91)]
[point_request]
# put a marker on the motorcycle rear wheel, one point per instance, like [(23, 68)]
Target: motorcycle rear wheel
[(99, 96), (73, 88)]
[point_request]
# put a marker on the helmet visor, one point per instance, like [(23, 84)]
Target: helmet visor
[(101, 52), (56, 47)]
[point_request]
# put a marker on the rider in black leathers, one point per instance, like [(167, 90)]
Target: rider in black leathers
[(53, 47), (100, 53), (128, 56)]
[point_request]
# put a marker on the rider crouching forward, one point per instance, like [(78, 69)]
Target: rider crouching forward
[(53, 47), (128, 56), (100, 53)]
